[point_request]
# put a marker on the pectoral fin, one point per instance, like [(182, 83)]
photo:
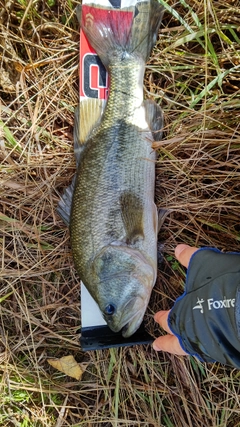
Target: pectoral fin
[(154, 117), (132, 215)]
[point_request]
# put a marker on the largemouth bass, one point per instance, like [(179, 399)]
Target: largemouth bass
[(110, 204)]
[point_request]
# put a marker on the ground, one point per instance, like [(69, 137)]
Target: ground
[(194, 75)]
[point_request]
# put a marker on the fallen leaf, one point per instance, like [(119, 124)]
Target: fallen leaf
[(68, 366)]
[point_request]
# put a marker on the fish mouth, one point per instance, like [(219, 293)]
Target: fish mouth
[(132, 325), (128, 324), (131, 318), (135, 308)]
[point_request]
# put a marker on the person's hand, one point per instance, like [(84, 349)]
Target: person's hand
[(170, 342)]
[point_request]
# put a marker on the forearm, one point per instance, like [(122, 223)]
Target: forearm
[(206, 318)]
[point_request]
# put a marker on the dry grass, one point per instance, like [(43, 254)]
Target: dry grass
[(194, 74)]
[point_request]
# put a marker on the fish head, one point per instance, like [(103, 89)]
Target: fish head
[(125, 281)]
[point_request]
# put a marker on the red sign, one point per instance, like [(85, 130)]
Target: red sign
[(93, 75)]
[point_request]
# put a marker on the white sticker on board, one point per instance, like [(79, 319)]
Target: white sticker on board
[(90, 312)]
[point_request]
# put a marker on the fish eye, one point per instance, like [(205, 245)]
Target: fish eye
[(109, 309)]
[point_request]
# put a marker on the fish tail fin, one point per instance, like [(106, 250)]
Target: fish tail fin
[(132, 30), (146, 23)]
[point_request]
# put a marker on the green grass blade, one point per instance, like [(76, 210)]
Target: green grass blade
[(9, 137)]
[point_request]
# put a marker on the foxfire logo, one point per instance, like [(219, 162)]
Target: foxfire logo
[(214, 304)]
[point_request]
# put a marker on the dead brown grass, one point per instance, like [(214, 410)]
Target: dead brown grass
[(197, 177)]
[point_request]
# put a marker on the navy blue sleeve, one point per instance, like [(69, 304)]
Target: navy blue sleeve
[(206, 318)]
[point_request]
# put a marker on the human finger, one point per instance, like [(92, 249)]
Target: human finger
[(183, 253), (170, 344), (161, 317)]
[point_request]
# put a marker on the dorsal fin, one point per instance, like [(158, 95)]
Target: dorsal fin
[(65, 204), (87, 118)]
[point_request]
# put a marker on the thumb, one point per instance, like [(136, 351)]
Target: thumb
[(183, 253)]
